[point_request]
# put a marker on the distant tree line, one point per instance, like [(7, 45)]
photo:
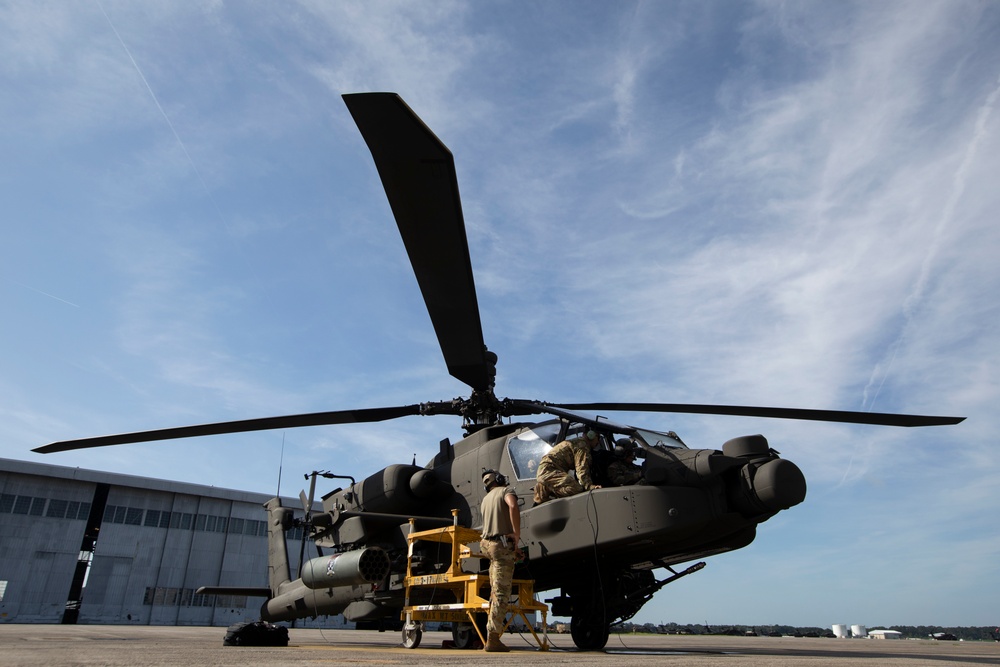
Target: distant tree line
[(984, 633), (968, 634)]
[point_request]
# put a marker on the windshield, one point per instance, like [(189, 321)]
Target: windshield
[(527, 448)]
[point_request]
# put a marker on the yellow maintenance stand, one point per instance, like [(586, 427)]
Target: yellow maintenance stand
[(460, 592)]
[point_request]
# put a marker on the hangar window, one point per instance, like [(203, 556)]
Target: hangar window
[(57, 509), (37, 507), (115, 513), (22, 504), (255, 527), (202, 600), (52, 509), (3, 589)]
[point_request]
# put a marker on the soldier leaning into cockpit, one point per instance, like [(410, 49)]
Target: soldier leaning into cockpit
[(554, 480)]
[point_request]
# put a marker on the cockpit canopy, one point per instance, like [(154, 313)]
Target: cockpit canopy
[(527, 447)]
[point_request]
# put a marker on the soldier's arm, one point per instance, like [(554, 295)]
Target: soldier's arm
[(515, 516)]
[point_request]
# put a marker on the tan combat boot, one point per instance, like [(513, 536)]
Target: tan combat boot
[(494, 645)]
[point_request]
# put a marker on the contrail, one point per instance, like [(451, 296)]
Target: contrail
[(51, 296), (163, 113), (912, 301), (958, 189)]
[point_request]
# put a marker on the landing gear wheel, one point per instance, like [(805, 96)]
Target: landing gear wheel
[(590, 631), (412, 636), (465, 636)]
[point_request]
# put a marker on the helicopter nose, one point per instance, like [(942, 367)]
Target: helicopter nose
[(777, 484)]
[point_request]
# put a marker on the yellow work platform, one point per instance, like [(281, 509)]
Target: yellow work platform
[(461, 591)]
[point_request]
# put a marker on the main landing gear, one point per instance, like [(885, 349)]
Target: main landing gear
[(612, 597)]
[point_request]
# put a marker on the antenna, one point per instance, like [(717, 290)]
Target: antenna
[(281, 462)]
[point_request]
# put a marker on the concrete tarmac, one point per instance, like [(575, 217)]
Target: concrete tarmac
[(115, 645)]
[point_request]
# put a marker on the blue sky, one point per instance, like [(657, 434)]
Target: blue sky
[(788, 204)]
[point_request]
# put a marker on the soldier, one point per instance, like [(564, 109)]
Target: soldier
[(501, 536), (623, 470), (554, 479)]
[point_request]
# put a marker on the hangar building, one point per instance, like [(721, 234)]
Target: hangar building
[(82, 546)]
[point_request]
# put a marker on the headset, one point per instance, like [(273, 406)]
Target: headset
[(491, 476)]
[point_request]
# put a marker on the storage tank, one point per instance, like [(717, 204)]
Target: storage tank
[(859, 631), (840, 631)]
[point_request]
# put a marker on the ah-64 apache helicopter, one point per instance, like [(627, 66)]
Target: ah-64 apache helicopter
[(599, 548)]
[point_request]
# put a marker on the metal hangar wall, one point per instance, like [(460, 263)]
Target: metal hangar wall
[(83, 546)]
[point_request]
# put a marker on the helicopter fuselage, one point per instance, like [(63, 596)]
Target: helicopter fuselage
[(691, 503)]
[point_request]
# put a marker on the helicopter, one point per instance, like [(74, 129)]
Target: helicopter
[(598, 550)]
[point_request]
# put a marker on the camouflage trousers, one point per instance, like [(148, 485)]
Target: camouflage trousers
[(553, 483), (501, 572)]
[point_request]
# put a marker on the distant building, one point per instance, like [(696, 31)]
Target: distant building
[(82, 546), (885, 634)]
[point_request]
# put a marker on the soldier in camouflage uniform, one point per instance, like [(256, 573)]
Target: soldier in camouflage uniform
[(623, 470), (554, 480), (501, 535)]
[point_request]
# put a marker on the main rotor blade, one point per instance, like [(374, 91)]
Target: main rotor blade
[(847, 417), (267, 423), (418, 173)]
